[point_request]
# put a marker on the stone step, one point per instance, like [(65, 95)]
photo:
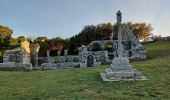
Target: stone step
[(123, 67), (109, 72), (124, 74)]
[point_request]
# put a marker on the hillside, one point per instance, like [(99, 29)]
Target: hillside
[(85, 83)]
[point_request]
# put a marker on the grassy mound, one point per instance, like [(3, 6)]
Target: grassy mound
[(85, 83)]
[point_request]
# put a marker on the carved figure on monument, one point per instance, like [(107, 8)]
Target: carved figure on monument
[(119, 17)]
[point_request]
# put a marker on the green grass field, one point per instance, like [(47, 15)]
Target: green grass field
[(86, 84)]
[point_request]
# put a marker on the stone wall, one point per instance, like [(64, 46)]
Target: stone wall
[(59, 59), (17, 55), (46, 66), (15, 66), (132, 48), (17, 59)]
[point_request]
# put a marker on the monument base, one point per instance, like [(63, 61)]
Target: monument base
[(121, 70)]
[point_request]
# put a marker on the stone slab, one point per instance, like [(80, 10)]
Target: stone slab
[(106, 79)]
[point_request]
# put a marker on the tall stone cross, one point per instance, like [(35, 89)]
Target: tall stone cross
[(120, 48), (119, 17)]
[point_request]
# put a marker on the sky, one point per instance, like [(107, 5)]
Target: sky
[(65, 18)]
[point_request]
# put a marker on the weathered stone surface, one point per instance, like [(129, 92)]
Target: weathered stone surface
[(92, 58), (34, 49), (83, 64), (25, 45), (97, 64), (46, 66), (18, 58), (14, 66), (17, 55)]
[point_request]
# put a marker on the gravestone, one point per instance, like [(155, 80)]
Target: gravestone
[(120, 68)]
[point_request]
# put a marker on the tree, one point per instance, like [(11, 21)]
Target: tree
[(140, 30), (5, 35), (43, 48), (56, 44), (90, 33), (42, 38), (20, 39)]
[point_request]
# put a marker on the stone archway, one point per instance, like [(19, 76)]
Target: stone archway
[(90, 61)]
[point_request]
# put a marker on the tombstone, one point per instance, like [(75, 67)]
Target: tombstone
[(120, 68), (34, 49)]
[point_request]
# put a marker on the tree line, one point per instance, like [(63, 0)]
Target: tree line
[(103, 31)]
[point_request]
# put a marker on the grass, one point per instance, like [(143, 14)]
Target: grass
[(86, 84)]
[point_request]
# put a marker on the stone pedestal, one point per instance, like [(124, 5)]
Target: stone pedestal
[(121, 70)]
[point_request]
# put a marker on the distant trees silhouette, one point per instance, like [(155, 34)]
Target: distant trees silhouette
[(89, 33), (106, 31)]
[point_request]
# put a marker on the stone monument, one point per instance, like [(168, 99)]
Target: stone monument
[(120, 68), (65, 55), (34, 49), (48, 57)]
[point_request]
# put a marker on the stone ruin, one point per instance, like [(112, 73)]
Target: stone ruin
[(120, 68), (60, 62), (132, 48), (87, 57), (90, 59), (27, 55), (18, 58), (23, 58)]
